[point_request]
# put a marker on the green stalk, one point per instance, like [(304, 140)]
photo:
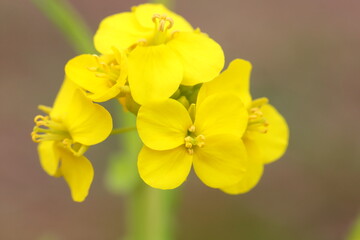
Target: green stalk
[(354, 233), (151, 212), (69, 22), (122, 130)]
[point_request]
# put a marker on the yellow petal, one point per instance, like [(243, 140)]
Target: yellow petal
[(236, 78), (49, 157), (163, 125), (77, 70), (155, 73), (88, 123), (221, 114), (201, 56), (112, 89), (164, 169), (251, 178), (78, 173), (120, 31), (271, 145), (145, 12), (63, 99), (106, 95), (221, 162)]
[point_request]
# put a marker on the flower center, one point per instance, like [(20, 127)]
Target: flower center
[(162, 24), (107, 68), (192, 140), (47, 129), (257, 121)]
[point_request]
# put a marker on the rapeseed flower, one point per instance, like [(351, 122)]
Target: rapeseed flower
[(266, 135), (206, 136), (65, 133), (102, 77), (163, 50)]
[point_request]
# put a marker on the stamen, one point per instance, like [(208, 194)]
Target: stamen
[(161, 21), (191, 142), (47, 130), (140, 42), (259, 102), (106, 68), (257, 121), (191, 128), (45, 109)]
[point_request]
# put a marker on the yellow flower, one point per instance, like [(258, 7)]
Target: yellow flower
[(267, 134), (102, 77), (163, 51), (207, 136), (71, 126)]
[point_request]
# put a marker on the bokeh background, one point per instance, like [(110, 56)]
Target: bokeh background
[(306, 61)]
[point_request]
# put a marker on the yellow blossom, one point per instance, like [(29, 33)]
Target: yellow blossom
[(266, 135), (206, 136), (65, 133), (102, 77), (163, 49)]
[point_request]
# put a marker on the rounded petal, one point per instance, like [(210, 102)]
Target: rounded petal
[(106, 95), (78, 173), (77, 70), (63, 99), (221, 114), (88, 123), (202, 57), (163, 125), (155, 73), (145, 12), (112, 90), (164, 169), (221, 162), (120, 31), (49, 157), (273, 144), (251, 178), (236, 78)]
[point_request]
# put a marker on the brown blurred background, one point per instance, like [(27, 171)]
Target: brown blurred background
[(306, 61)]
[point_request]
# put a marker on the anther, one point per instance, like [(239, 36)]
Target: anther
[(200, 141), (253, 117), (188, 139), (161, 20), (190, 151), (191, 128), (92, 69)]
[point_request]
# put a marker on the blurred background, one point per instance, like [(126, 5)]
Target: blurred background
[(305, 57)]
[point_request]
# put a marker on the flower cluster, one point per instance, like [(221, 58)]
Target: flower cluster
[(189, 113)]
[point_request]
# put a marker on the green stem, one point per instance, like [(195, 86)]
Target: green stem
[(355, 230), (69, 22), (151, 212), (122, 130)]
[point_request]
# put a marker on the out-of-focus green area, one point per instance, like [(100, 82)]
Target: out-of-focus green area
[(305, 60)]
